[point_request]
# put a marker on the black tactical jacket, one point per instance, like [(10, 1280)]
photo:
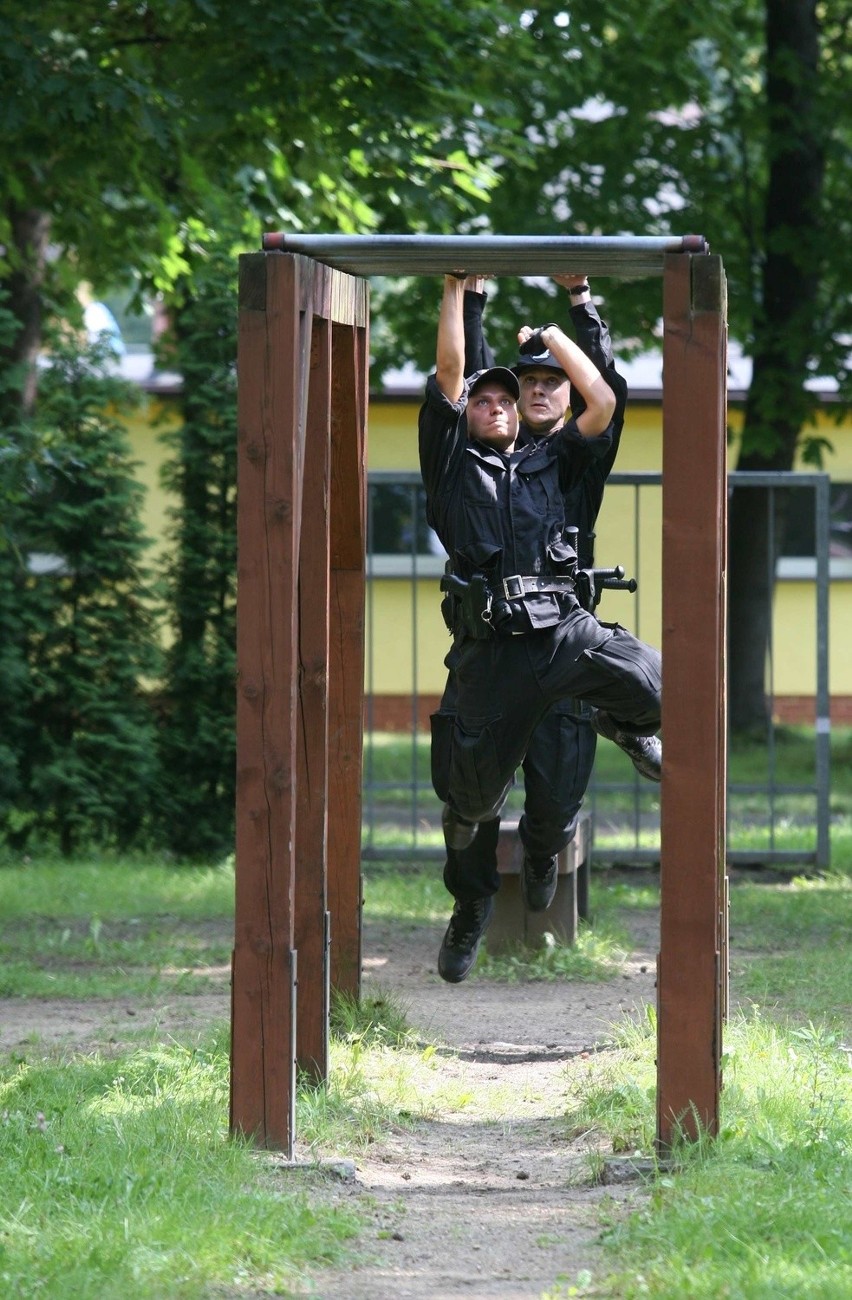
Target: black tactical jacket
[(502, 514)]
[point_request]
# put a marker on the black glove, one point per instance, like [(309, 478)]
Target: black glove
[(534, 344)]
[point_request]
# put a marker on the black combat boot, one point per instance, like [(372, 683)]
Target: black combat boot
[(468, 924), (644, 752), (538, 882), (459, 833)]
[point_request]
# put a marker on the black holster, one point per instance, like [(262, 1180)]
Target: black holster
[(468, 606)]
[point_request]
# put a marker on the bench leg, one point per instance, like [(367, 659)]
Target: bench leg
[(512, 925)]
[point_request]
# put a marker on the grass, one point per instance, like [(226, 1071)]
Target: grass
[(598, 954), (763, 1211), (113, 927), (112, 887), (417, 895), (626, 810), (796, 936), (119, 1181)]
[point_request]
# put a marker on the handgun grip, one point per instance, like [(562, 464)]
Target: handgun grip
[(618, 584)]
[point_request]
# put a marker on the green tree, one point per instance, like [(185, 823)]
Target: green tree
[(84, 636), (197, 717), (14, 669), (731, 121), (637, 117), (122, 122)]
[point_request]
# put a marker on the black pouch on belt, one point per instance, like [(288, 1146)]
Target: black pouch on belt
[(474, 603)]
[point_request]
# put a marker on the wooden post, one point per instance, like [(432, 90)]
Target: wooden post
[(692, 964), (272, 358), (292, 649), (311, 921), (350, 359), (300, 661)]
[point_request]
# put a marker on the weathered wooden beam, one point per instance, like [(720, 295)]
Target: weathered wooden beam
[(692, 965), (281, 678), (311, 919), (272, 359), (350, 362)]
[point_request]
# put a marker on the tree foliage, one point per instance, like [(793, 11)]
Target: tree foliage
[(150, 143), (646, 118), (80, 644), (197, 714)]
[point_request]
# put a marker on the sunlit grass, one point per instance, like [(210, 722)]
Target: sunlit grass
[(790, 950), (410, 895), (114, 927), (763, 1210), (598, 954), (119, 1180), (104, 886)]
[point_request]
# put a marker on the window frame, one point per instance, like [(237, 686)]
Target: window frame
[(413, 563)]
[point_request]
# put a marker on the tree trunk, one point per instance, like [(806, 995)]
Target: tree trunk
[(27, 257), (778, 403)]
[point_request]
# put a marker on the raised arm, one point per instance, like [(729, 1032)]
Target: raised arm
[(583, 375), (591, 332), (593, 338), (449, 363), (477, 352)]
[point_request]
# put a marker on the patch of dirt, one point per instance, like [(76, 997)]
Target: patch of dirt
[(487, 1208), (98, 1024), (496, 1201)]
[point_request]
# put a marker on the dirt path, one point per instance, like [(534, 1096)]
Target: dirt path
[(493, 1201)]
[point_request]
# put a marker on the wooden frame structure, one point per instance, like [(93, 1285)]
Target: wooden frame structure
[(303, 384)]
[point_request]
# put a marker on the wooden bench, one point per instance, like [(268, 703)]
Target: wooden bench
[(512, 924)]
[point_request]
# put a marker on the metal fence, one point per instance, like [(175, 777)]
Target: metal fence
[(778, 791)]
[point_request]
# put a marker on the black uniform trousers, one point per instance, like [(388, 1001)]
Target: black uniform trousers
[(504, 687), (557, 767)]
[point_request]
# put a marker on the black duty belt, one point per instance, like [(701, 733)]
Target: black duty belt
[(519, 586)]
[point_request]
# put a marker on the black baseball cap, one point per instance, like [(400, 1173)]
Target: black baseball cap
[(527, 361), (500, 375)]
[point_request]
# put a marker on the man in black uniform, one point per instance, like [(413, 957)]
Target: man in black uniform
[(558, 763), (523, 641)]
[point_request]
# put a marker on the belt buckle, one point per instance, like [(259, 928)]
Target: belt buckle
[(510, 591)]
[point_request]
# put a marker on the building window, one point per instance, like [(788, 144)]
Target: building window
[(399, 540), (798, 553)]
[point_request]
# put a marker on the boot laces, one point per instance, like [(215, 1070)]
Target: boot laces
[(541, 868), (466, 922)]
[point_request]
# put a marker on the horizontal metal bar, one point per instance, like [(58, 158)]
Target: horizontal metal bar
[(651, 478), (622, 255), (766, 858), (391, 853), (776, 478)]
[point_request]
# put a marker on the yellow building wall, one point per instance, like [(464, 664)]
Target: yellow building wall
[(404, 618), (625, 516), (392, 434), (145, 433)]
